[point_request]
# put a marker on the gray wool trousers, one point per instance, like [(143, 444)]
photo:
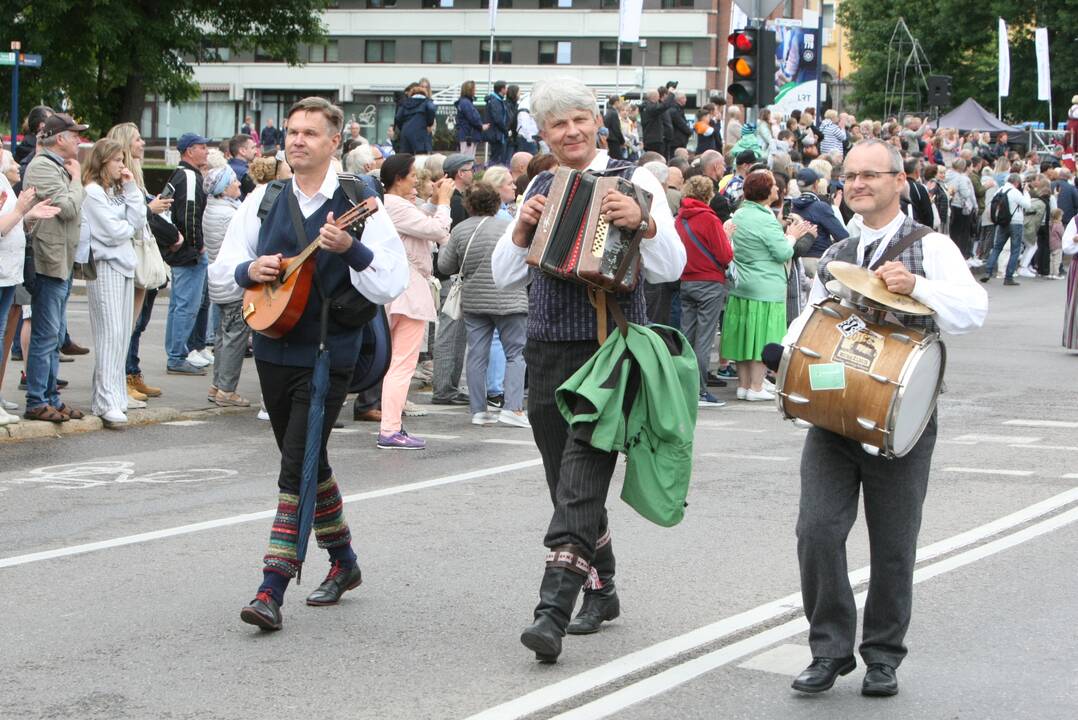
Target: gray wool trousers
[(834, 472), (449, 345)]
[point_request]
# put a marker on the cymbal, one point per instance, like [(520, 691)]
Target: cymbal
[(864, 282)]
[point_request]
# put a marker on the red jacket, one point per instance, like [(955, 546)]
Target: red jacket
[(707, 228)]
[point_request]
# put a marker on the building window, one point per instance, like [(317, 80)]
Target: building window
[(215, 54), (503, 52), (323, 53), (437, 51), (433, 4), (263, 55), (675, 53), (381, 51), (608, 53), (671, 4), (502, 4), (553, 4), (555, 52), (609, 4), (374, 4)]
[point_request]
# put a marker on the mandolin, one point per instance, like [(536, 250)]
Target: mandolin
[(273, 308)]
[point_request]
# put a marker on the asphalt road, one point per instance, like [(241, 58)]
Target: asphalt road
[(126, 556)]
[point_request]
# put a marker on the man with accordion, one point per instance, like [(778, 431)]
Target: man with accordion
[(564, 330)]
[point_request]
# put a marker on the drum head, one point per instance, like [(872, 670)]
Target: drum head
[(917, 398)]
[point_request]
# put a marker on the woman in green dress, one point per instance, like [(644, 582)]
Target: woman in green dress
[(756, 310)]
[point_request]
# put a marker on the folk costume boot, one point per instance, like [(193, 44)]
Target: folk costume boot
[(566, 571), (601, 602)]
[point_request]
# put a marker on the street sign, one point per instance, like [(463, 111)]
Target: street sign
[(758, 8), (25, 60), (7, 58)]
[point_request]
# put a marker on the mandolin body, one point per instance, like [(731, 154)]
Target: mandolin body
[(273, 308)]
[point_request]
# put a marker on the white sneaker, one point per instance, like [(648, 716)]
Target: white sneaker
[(413, 410), (262, 414), (516, 419), (483, 418), (7, 418), (741, 393), (5, 405), (758, 395), (113, 418), (1025, 272), (207, 355), (769, 386), (133, 404), (195, 358)]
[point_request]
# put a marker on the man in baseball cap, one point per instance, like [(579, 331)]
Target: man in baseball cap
[(58, 123), (188, 139)]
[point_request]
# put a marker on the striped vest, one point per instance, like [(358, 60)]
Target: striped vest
[(912, 257), (559, 310)]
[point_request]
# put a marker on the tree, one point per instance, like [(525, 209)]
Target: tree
[(959, 39), (105, 56)]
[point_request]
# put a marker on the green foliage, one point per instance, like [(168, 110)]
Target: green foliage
[(959, 38), (105, 56)]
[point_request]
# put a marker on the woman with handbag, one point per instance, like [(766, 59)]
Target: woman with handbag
[(151, 273), (414, 308), (113, 212), (486, 307)]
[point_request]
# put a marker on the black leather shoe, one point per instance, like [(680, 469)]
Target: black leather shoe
[(714, 380), (880, 681), (339, 581), (458, 399), (598, 607), (822, 672), (557, 594), (263, 612)]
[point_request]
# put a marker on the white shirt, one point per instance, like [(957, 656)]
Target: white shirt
[(1070, 238), (662, 256), (13, 242), (959, 301), (380, 282)]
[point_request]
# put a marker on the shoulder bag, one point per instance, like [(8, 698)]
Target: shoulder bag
[(453, 306)]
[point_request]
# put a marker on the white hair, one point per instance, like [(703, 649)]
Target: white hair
[(358, 159), (496, 176), (658, 169), (558, 96), (215, 159)]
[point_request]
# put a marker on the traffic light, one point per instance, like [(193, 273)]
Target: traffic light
[(752, 68)]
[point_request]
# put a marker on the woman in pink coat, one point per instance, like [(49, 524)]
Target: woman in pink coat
[(413, 309)]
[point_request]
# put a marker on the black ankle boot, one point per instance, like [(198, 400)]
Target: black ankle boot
[(565, 573), (600, 604)]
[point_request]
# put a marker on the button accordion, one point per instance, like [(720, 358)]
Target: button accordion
[(573, 242)]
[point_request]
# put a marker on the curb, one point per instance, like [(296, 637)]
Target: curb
[(33, 430)]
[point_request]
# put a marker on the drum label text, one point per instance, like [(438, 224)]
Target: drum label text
[(859, 350)]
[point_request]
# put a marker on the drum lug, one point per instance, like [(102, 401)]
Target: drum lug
[(870, 449), (798, 422), (829, 311), (866, 424), (808, 351), (882, 379), (796, 399), (900, 337)]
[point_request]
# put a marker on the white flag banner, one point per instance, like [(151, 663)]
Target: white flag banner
[(629, 22), (1004, 61), (493, 13), (1044, 73)]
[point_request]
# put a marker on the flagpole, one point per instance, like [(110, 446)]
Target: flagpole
[(617, 70)]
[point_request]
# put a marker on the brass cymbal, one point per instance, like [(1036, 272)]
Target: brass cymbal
[(864, 282)]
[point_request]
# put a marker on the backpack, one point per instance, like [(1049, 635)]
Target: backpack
[(999, 211)]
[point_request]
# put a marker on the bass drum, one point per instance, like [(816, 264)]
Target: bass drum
[(876, 383), (374, 354)]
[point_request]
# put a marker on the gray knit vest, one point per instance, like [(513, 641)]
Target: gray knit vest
[(559, 310), (912, 257)]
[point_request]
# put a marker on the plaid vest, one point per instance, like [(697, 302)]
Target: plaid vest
[(559, 310), (912, 257)]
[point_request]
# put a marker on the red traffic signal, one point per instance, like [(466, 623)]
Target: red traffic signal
[(752, 68), (743, 40)]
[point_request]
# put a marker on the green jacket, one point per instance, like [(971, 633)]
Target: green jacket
[(760, 254), (55, 239), (638, 395)]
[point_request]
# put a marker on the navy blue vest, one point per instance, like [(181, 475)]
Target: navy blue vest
[(559, 310), (300, 346)]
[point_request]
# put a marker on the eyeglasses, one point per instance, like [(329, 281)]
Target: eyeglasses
[(867, 175)]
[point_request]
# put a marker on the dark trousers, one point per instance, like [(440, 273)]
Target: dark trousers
[(960, 229), (370, 399), (577, 475), (286, 393), (834, 470), (141, 324)]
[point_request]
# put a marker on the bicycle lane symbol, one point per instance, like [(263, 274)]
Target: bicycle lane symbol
[(80, 476)]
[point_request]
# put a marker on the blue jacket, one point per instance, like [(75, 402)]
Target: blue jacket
[(414, 116), (828, 227), (469, 121), (498, 117)]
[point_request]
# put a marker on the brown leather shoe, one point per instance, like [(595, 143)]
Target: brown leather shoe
[(73, 348), (136, 395), (138, 383), (71, 413), (47, 413), (374, 415)]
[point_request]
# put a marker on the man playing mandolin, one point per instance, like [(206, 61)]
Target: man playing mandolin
[(375, 265), (562, 336)]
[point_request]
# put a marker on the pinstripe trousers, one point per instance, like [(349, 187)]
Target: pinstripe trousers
[(111, 298), (577, 475)]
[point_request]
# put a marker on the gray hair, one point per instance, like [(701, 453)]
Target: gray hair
[(559, 96), (892, 151), (1015, 179), (709, 158), (358, 160), (959, 165), (659, 170)]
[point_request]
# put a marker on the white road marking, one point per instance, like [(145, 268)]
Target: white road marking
[(1005, 439), (744, 406), (738, 456), (248, 517), (1042, 423), (660, 652), (184, 423), (499, 441), (429, 435), (989, 471), (1069, 448), (715, 423), (681, 674), (1071, 476), (786, 659)]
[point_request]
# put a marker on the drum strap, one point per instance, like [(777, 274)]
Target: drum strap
[(901, 246)]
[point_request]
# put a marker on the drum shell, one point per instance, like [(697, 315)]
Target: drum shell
[(864, 398)]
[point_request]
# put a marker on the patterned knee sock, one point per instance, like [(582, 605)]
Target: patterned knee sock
[(329, 524), (275, 584), (280, 558)]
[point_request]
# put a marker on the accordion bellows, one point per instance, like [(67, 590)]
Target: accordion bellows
[(573, 242)]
